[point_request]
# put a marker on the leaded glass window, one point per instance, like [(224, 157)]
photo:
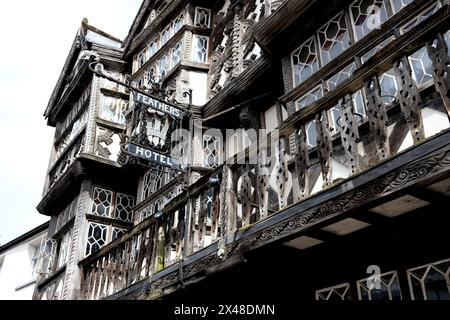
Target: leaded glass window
[(335, 293), (47, 257), (367, 15), (202, 17), (165, 36), (339, 77), (142, 58), (365, 57), (420, 18), (305, 61), (334, 115), (334, 38), (64, 248), (309, 98), (163, 66), (431, 281), (117, 232), (178, 24), (211, 154), (152, 48), (311, 134), (153, 181), (113, 109), (124, 207), (176, 53), (386, 287), (398, 5), (97, 237), (102, 202), (359, 104), (200, 49), (422, 67), (389, 87)]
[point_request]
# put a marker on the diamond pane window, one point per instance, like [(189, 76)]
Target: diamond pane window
[(124, 207), (202, 17), (97, 234), (152, 48), (333, 38), (421, 66), (211, 154), (420, 18), (430, 282), (165, 36), (200, 49), (367, 15), (311, 134), (386, 287), (304, 61), (398, 5), (47, 258), (365, 57), (336, 293), (309, 98), (142, 58), (102, 200), (64, 248), (447, 38), (153, 181), (113, 109), (339, 77), (389, 86), (163, 66), (117, 232), (176, 54), (178, 24), (358, 104), (334, 115)]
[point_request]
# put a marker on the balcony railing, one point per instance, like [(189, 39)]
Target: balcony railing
[(342, 135)]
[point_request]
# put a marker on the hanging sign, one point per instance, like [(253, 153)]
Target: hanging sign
[(159, 105), (154, 157)]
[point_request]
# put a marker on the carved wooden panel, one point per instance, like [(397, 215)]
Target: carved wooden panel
[(376, 112), (282, 174), (324, 147), (441, 69), (301, 163), (410, 101), (262, 183), (245, 197), (349, 134)]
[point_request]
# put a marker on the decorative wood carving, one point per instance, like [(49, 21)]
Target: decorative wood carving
[(441, 69), (349, 134), (324, 147), (378, 120), (237, 55), (410, 101), (262, 183), (282, 175), (301, 163), (245, 197)]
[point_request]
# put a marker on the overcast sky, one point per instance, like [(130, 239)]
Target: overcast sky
[(35, 40)]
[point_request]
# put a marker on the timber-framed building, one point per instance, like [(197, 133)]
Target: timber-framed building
[(355, 187)]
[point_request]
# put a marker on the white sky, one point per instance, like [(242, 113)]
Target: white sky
[(36, 37)]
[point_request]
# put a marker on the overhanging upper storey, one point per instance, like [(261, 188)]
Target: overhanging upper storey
[(87, 38)]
